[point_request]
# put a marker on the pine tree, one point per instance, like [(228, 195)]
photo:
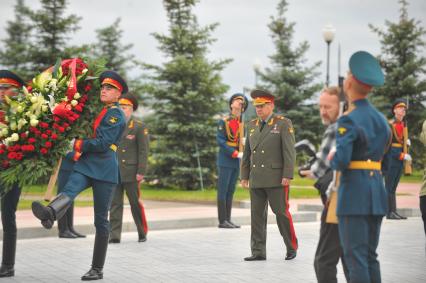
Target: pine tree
[(291, 80), (15, 54), (52, 32), (187, 92), (402, 45), (109, 47)]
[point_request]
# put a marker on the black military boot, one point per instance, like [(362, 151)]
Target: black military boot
[(64, 231), (99, 254), (70, 219), (221, 211), (391, 208), (228, 213), (9, 251), (394, 205), (53, 211)]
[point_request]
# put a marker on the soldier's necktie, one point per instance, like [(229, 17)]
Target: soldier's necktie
[(262, 125)]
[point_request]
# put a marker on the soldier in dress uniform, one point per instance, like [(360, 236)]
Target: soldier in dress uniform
[(363, 137), (97, 167), (10, 84), (229, 136), (132, 159), (267, 169), (396, 156)]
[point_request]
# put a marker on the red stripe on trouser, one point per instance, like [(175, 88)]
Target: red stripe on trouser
[(142, 209), (290, 219)]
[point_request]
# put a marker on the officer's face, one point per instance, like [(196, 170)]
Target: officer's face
[(127, 109), (329, 108), (264, 110), (109, 94)]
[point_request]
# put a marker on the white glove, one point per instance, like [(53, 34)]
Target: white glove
[(243, 141), (407, 157), (240, 155), (408, 142)]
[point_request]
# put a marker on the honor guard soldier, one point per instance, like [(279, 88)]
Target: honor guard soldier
[(229, 137), (267, 169), (10, 84), (132, 158), (396, 156), (362, 139), (96, 166)]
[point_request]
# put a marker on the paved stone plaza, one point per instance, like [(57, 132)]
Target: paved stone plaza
[(212, 255)]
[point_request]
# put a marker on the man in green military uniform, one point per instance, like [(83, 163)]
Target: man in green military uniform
[(267, 169), (132, 158)]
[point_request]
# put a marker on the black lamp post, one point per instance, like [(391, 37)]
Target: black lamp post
[(328, 34)]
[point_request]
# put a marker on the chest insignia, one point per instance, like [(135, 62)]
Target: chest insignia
[(341, 131)]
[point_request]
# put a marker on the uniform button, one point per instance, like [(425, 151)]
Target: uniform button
[(123, 150), (371, 173), (254, 165), (263, 165), (263, 151), (254, 151), (123, 160)]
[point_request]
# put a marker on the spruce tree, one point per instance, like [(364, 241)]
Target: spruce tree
[(402, 45), (52, 34), (110, 48), (290, 79), (15, 54), (187, 92)]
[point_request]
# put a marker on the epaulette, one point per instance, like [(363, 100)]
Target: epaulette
[(114, 106)]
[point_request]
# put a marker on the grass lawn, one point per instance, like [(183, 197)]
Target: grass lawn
[(302, 188)]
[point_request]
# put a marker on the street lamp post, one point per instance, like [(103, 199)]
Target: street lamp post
[(257, 65), (328, 34)]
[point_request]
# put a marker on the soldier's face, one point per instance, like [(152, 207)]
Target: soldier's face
[(127, 109), (329, 108), (400, 112), (264, 110), (109, 94), (237, 107), (7, 90)]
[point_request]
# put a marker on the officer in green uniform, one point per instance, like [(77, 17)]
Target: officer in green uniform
[(132, 159), (10, 83), (267, 169)]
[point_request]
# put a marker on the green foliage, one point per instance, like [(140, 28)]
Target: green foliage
[(51, 34), (290, 79), (186, 92), (402, 46), (15, 54), (109, 47)]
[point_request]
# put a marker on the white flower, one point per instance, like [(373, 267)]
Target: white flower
[(12, 126), (19, 109), (74, 102), (4, 132), (33, 122), (33, 99), (14, 137), (84, 71), (44, 108), (77, 95)]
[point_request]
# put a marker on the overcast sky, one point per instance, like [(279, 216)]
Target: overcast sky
[(242, 34)]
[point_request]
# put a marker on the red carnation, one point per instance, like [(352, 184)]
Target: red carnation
[(30, 147), (78, 108), (54, 136), (2, 146), (23, 135), (31, 140), (1, 151), (19, 155), (65, 125), (48, 132), (44, 136), (48, 144), (11, 155), (61, 129), (88, 87), (44, 125), (5, 163), (43, 150)]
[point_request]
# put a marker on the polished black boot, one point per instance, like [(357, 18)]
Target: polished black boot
[(64, 231), (391, 208), (394, 205), (70, 219), (98, 261), (53, 211), (228, 213), (221, 211), (8, 259)]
